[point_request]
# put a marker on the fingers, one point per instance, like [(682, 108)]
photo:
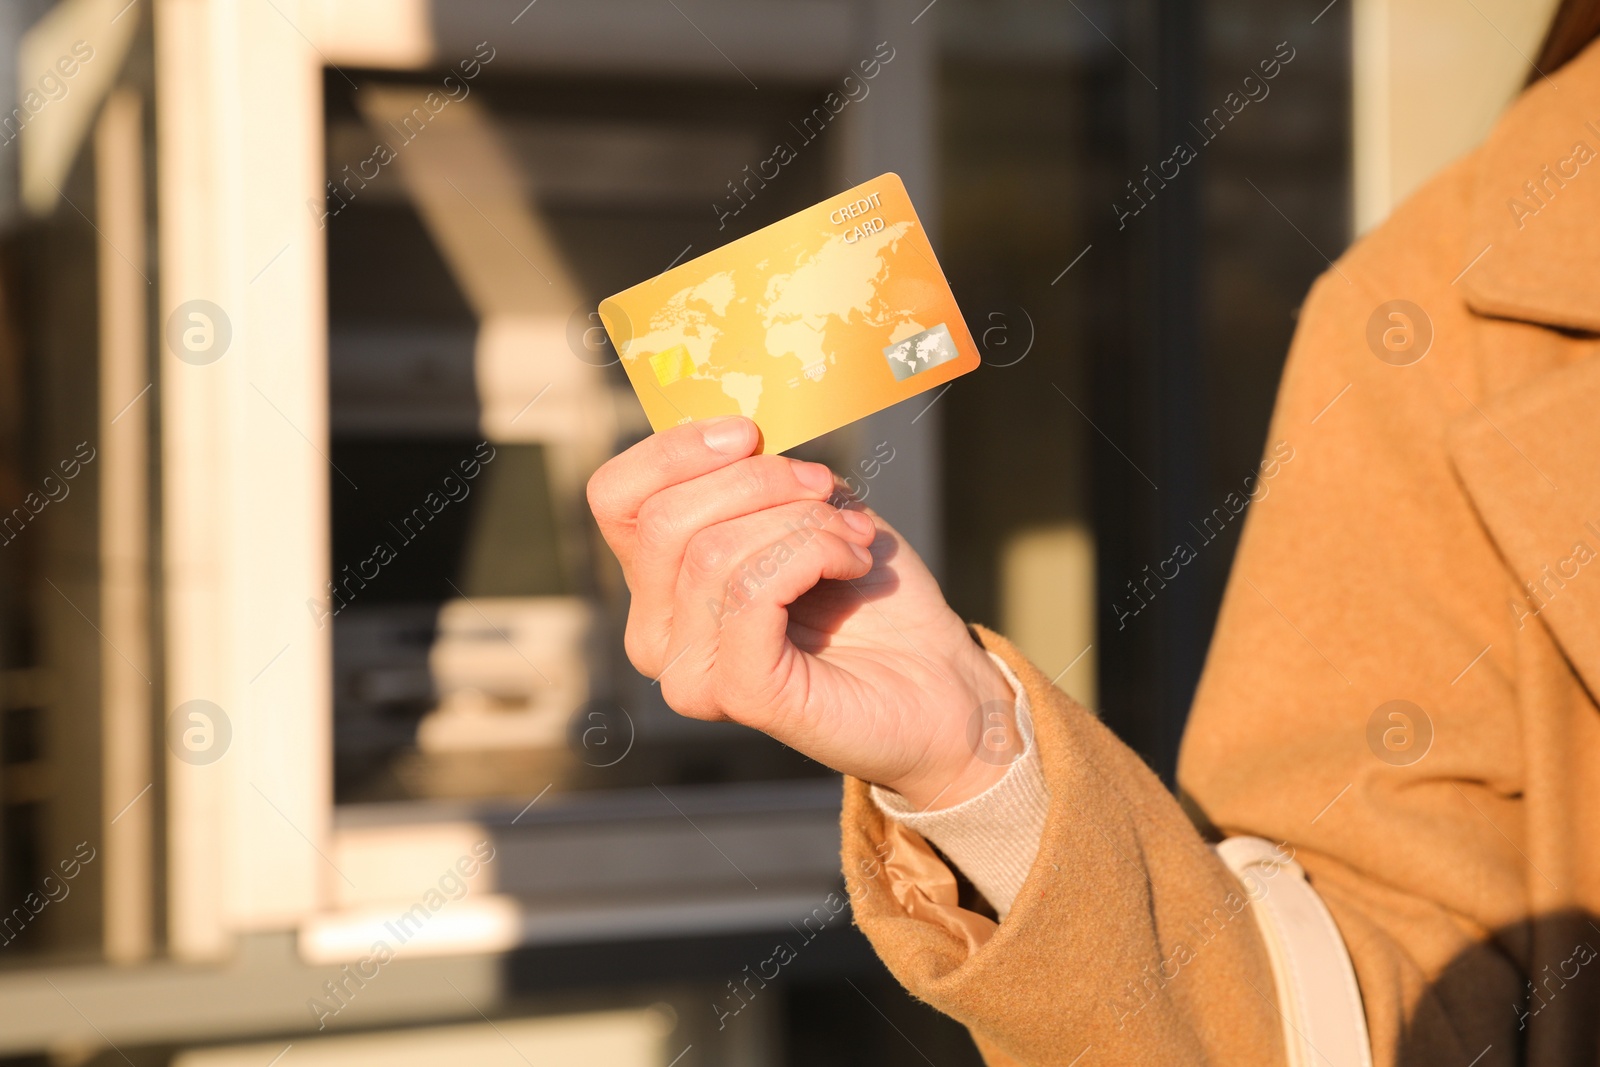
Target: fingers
[(667, 521), (622, 485), (729, 612), (659, 630)]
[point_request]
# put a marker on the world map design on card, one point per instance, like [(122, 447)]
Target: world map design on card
[(808, 324)]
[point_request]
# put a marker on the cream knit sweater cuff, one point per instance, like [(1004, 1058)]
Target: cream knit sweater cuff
[(994, 836)]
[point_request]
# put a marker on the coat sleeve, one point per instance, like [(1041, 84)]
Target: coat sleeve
[(1129, 937)]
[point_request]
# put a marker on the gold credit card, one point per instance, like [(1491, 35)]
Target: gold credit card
[(808, 324)]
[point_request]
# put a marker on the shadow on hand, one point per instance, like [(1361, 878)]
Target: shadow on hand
[(818, 616)]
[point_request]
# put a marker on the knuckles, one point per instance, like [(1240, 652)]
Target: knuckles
[(680, 445), (688, 697), (660, 520), (658, 523), (715, 688), (765, 477), (602, 493), (708, 554), (639, 648)]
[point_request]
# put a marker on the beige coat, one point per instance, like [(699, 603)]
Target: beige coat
[(1435, 539)]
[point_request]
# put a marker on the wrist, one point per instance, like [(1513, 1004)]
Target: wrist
[(975, 744)]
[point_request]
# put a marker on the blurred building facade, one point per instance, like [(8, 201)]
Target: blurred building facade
[(317, 730)]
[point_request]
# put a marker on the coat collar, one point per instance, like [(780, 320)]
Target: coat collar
[(1534, 244), (1530, 460), (1530, 457)]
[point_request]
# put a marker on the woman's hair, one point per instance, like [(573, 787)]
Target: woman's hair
[(1576, 23)]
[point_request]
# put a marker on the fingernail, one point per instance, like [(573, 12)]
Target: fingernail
[(861, 553), (856, 521), (727, 435), (813, 476)]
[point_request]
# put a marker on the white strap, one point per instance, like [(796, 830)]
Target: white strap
[(1324, 1023)]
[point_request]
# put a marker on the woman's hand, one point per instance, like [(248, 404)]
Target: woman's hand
[(757, 600)]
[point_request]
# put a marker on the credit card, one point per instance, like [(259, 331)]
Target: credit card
[(806, 325)]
